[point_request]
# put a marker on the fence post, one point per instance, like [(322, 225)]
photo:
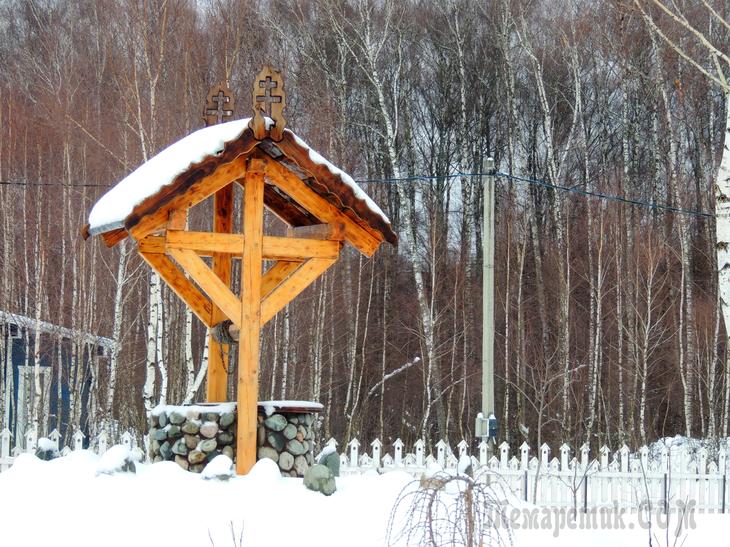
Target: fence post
[(441, 447), (724, 491), (666, 493), (376, 446), (524, 455), (585, 493), (354, 445), (504, 455), (5, 443), (398, 452), (78, 440), (31, 440), (418, 446), (584, 451), (564, 454), (483, 453)]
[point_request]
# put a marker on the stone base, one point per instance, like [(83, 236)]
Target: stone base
[(193, 435)]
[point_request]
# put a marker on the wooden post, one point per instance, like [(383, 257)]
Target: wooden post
[(217, 352), (248, 346)]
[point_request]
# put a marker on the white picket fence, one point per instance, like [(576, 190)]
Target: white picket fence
[(99, 445), (616, 479), (622, 479)]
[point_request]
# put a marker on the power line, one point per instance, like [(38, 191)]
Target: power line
[(56, 184), (545, 184)]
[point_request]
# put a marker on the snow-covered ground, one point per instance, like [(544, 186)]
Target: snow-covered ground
[(68, 502)]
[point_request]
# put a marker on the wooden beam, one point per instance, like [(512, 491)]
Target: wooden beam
[(189, 293), (222, 176), (274, 248), (293, 285), (151, 245), (177, 219), (276, 274), (334, 231), (250, 321), (295, 188), (217, 384), (209, 282)]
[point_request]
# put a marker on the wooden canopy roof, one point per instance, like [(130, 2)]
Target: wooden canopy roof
[(302, 189)]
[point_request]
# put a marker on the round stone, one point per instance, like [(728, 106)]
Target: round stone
[(159, 435), (299, 436), (191, 441), (211, 417), (290, 431), (209, 457), (196, 456), (293, 419), (300, 465), (286, 461), (227, 419), (209, 429), (176, 418), (174, 432), (157, 459), (155, 446), (225, 438), (260, 435), (308, 419), (303, 430), (276, 440), (166, 450), (296, 447), (208, 445), (191, 427), (192, 415), (266, 452), (182, 462), (197, 468), (320, 479), (162, 419), (228, 451), (260, 418), (180, 448), (310, 458), (310, 435), (275, 422), (154, 420)]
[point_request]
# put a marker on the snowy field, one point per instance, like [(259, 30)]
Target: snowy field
[(66, 502)]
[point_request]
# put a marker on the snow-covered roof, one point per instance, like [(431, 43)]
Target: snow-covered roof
[(56, 330), (114, 208)]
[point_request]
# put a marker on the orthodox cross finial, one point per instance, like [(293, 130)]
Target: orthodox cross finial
[(269, 99), (219, 105)]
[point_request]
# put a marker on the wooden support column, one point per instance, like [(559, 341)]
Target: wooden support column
[(248, 346), (217, 352)]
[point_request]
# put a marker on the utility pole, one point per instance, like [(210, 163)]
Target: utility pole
[(486, 424)]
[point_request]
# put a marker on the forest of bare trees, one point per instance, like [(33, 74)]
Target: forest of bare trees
[(608, 323)]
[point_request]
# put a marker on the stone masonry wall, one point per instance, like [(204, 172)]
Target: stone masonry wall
[(288, 439), (193, 435)]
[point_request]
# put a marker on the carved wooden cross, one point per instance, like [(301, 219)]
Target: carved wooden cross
[(219, 105), (267, 98), (268, 104)]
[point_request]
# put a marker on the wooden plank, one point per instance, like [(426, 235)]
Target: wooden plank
[(217, 375), (276, 274), (295, 188), (288, 211), (210, 283), (181, 285), (151, 245), (250, 321), (334, 231), (293, 285), (274, 248), (177, 219), (113, 237), (287, 248), (206, 186)]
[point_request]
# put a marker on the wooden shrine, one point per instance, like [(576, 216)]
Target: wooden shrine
[(321, 205)]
